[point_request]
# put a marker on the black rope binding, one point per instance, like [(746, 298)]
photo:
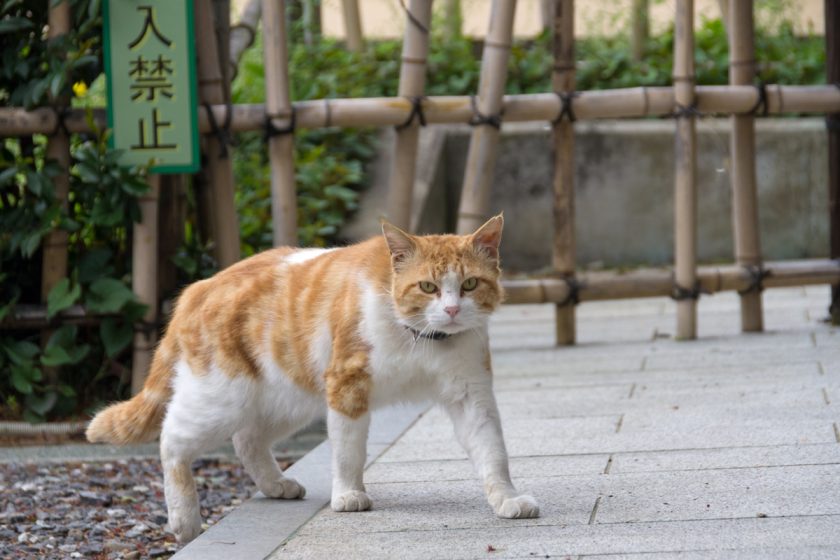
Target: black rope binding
[(761, 107), (573, 297), (60, 115), (757, 275), (271, 131), (416, 112), (480, 119), (222, 133), (566, 109), (685, 112), (414, 21), (681, 293)]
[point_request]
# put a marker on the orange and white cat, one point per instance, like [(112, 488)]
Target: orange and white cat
[(270, 344)]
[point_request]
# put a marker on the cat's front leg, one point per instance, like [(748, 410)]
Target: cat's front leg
[(348, 437), (348, 386), (478, 428)]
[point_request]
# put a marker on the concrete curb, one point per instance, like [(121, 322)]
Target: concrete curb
[(260, 525)]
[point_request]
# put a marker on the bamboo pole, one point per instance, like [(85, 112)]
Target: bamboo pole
[(453, 20), (832, 49), (685, 195), (172, 214), (144, 253), (390, 111), (598, 286), (279, 106), (242, 34), (216, 193), (54, 245), (640, 28), (744, 191), (642, 283), (412, 85), (353, 25), (563, 83), (481, 157)]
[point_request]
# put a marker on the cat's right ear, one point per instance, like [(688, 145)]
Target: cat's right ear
[(399, 242)]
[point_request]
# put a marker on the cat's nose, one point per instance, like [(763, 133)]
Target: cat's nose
[(452, 310)]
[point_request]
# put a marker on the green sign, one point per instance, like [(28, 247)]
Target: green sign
[(150, 66)]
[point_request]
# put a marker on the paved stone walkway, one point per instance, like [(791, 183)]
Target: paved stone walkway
[(635, 445)]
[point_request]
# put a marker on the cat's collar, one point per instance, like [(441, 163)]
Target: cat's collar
[(431, 335)]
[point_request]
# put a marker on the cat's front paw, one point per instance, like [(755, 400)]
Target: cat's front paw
[(284, 488), (186, 525), (354, 500), (520, 507)]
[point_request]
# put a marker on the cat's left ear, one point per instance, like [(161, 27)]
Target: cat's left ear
[(488, 237), (399, 242)]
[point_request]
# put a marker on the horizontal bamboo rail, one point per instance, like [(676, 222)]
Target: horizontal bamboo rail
[(597, 286), (660, 282), (389, 111)]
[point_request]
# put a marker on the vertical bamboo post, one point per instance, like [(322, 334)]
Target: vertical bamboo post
[(832, 49), (412, 85), (744, 192), (563, 83), (685, 195), (353, 25), (453, 19), (144, 253), (217, 192), (172, 214), (640, 28), (278, 106), (481, 157), (54, 245)]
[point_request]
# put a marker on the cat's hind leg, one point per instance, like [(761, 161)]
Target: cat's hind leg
[(179, 487), (253, 447)]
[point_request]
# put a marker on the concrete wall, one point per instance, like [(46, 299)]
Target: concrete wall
[(624, 184)]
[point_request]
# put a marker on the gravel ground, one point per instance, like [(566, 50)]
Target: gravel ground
[(104, 510)]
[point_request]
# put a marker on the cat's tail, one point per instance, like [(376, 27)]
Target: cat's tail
[(137, 420)]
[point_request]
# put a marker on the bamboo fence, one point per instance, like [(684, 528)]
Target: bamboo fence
[(418, 15), (685, 102)]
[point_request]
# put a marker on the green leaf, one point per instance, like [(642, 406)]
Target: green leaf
[(30, 244), (62, 296), (116, 335), (20, 352), (32, 417), (59, 356), (41, 404), (22, 377), (13, 24), (94, 265), (108, 295)]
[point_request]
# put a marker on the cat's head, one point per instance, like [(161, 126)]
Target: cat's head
[(445, 283)]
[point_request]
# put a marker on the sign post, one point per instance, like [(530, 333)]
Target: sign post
[(150, 68)]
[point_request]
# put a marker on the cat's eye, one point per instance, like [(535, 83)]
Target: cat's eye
[(428, 287), (469, 284)]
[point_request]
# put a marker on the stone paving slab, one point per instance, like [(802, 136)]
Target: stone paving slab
[(520, 540)]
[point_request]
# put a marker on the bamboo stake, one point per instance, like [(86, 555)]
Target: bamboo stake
[(412, 85), (172, 214), (242, 34), (54, 245), (453, 19), (659, 282), (390, 111), (481, 157), (744, 191), (216, 194), (640, 28), (832, 49), (279, 106), (144, 254), (353, 25), (685, 195), (563, 83)]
